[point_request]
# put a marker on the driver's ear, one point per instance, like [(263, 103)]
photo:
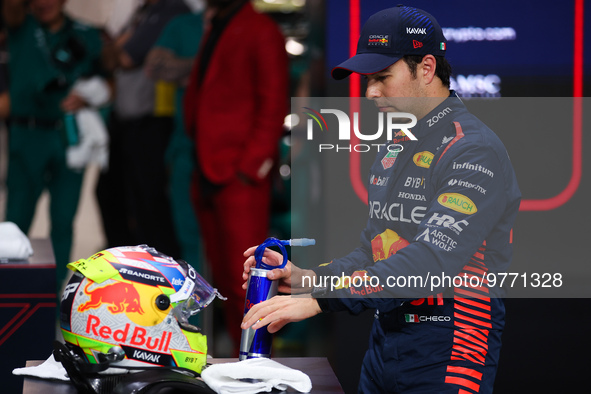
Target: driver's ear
[(426, 69)]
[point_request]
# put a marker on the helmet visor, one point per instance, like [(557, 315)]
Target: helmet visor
[(195, 294)]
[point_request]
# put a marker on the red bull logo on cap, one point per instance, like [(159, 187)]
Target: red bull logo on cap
[(379, 40)]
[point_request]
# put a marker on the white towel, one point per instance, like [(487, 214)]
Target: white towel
[(50, 369), (94, 141), (14, 244), (92, 132), (95, 91), (266, 374)]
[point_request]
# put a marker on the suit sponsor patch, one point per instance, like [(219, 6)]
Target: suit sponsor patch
[(423, 159), (457, 202)]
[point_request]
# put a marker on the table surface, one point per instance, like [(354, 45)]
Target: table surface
[(42, 251), (318, 369), (42, 256)]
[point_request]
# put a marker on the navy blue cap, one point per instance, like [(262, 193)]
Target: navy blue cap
[(389, 35)]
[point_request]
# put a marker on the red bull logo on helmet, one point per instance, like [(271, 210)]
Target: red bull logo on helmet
[(135, 300), (134, 337), (122, 297)]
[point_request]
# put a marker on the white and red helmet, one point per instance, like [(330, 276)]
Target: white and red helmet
[(135, 302)]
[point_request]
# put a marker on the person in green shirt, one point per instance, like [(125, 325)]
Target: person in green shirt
[(48, 52)]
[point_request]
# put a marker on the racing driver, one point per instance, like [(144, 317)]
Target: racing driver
[(447, 209)]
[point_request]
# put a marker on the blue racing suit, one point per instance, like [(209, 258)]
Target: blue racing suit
[(441, 208)]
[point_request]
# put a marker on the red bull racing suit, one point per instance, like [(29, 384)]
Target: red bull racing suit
[(443, 207)]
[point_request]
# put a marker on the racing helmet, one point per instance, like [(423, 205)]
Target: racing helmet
[(130, 307)]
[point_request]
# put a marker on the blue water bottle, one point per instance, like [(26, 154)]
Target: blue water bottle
[(71, 127), (257, 343)]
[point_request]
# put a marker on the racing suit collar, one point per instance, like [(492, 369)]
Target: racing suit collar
[(440, 115)]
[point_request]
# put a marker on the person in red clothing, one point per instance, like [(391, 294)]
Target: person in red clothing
[(235, 105)]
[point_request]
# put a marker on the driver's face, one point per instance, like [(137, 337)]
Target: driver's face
[(392, 89)]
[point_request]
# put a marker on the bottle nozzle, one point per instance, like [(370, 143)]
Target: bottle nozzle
[(302, 242)]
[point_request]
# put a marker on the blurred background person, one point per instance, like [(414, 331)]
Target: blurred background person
[(4, 110), (132, 194), (49, 52), (170, 61), (4, 96), (235, 105)]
